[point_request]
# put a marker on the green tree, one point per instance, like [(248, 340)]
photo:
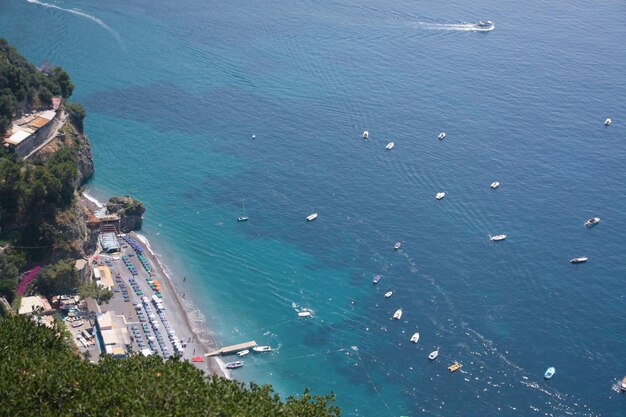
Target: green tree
[(62, 79), (60, 278)]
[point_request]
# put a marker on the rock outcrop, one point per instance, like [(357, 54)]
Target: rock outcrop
[(130, 212)]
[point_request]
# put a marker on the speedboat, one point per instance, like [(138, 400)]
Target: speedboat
[(397, 245), (416, 337), (262, 349), (442, 136), (454, 367), (439, 196), (304, 313), (376, 279), (580, 260), (433, 355), (234, 365), (398, 314), (242, 353), (608, 121), (390, 146), (242, 218), (549, 372), (592, 221), (253, 136), (622, 384), (311, 217), (494, 185), (484, 25), (366, 134), (498, 238), (388, 294)]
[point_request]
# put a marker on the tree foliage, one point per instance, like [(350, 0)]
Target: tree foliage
[(40, 376), (59, 278)]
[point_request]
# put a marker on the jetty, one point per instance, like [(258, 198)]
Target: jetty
[(232, 349)]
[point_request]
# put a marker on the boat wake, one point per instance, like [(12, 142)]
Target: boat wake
[(81, 14), (464, 27)]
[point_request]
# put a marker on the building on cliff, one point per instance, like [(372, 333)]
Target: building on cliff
[(30, 131)]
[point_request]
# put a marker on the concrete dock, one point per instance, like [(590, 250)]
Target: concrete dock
[(232, 349)]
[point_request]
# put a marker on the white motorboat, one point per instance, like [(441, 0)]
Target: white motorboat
[(580, 260), (262, 349), (494, 185), (416, 337), (442, 136), (243, 353), (592, 221), (398, 314), (304, 313), (390, 146), (608, 121), (397, 246), (366, 134), (433, 355), (311, 217), (497, 238), (388, 294), (484, 26), (234, 365), (440, 196), (253, 136), (549, 372), (244, 217)]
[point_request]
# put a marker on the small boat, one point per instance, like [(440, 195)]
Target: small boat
[(454, 367), (622, 384), (549, 372), (244, 217), (440, 196), (497, 238), (398, 314), (580, 260), (442, 136), (243, 353), (262, 349), (416, 337), (234, 365), (311, 217), (376, 279), (390, 145), (494, 185), (397, 246), (253, 136), (366, 134), (388, 294), (484, 26), (608, 121), (304, 313), (433, 355), (592, 221)]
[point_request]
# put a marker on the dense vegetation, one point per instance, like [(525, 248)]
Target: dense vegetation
[(41, 376), (21, 83)]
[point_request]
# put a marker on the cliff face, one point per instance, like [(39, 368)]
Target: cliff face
[(130, 212)]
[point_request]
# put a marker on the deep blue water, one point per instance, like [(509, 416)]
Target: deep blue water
[(175, 90)]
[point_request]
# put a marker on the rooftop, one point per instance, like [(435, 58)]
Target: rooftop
[(28, 304)]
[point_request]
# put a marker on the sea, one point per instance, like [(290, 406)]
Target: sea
[(175, 92)]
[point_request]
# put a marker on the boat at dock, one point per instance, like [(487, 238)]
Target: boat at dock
[(390, 146), (234, 365), (398, 314), (494, 185), (549, 372), (433, 355), (262, 349), (311, 217), (397, 246), (440, 196), (376, 279), (454, 367), (388, 294), (243, 353), (592, 222), (497, 238), (416, 337), (580, 260)]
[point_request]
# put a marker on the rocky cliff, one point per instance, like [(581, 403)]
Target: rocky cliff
[(130, 212)]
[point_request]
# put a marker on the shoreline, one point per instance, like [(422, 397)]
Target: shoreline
[(179, 309)]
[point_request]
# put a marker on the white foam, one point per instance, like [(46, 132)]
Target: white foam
[(467, 27), (93, 199)]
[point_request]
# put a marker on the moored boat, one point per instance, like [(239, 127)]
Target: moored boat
[(433, 355), (311, 217), (397, 245), (592, 221), (388, 294), (390, 145), (242, 353), (498, 238), (416, 337), (262, 349), (234, 365), (549, 372), (580, 260), (440, 196), (398, 314), (376, 279), (494, 185), (242, 218), (455, 367), (442, 136)]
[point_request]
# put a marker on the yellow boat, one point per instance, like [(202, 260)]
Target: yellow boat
[(454, 367)]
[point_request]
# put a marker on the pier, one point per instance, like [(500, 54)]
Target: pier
[(232, 349)]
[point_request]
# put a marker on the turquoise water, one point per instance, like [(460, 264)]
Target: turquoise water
[(174, 92)]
